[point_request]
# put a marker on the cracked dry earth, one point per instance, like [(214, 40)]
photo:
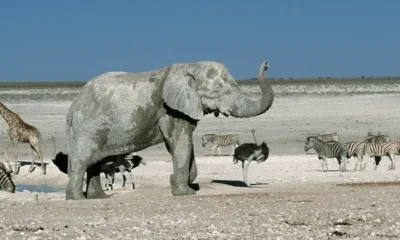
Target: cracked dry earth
[(329, 211)]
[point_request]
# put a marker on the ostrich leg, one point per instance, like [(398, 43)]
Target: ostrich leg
[(245, 169)]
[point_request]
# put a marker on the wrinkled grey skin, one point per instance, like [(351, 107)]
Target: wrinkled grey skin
[(119, 112)]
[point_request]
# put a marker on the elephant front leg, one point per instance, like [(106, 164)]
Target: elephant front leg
[(178, 138), (193, 172), (93, 184)]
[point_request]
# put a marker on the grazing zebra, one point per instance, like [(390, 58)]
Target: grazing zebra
[(326, 137), (328, 150), (377, 138), (398, 146), (221, 140), (6, 182), (378, 150), (356, 150)]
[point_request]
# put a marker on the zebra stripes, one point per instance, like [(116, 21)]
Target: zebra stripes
[(377, 150), (2, 165), (221, 141), (356, 150), (328, 150), (327, 137), (377, 138), (398, 147), (6, 182)]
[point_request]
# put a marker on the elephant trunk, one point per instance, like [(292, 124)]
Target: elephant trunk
[(244, 105)]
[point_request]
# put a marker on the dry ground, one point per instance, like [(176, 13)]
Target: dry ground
[(290, 198)]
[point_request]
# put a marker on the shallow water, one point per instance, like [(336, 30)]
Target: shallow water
[(39, 188)]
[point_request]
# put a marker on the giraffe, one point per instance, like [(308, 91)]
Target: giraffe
[(20, 131)]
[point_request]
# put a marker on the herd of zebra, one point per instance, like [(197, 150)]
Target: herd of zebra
[(325, 145), (330, 146)]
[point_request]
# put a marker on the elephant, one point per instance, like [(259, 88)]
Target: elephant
[(120, 112)]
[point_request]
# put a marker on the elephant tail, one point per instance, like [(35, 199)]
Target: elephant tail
[(68, 134)]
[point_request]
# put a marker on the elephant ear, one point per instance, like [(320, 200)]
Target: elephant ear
[(180, 93)]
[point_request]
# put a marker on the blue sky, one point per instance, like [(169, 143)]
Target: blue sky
[(74, 40)]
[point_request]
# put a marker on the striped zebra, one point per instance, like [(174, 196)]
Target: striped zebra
[(356, 150), (221, 140), (2, 165), (328, 150), (377, 150), (6, 182), (326, 137), (398, 147), (377, 138)]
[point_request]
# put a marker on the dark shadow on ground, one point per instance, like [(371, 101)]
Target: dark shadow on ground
[(235, 183), (232, 183)]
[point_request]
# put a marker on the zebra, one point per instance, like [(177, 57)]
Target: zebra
[(328, 150), (6, 182), (326, 137), (356, 150), (377, 150), (377, 138), (398, 147), (2, 165), (221, 140)]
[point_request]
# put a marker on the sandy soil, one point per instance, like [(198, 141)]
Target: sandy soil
[(289, 198)]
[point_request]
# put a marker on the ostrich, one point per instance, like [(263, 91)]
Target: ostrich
[(110, 165), (250, 152), (60, 159), (120, 163)]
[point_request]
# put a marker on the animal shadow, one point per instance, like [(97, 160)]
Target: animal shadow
[(233, 183)]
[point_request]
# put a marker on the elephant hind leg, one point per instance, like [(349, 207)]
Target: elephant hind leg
[(93, 185), (75, 184)]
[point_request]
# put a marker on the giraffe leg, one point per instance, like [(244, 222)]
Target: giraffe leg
[(5, 154), (38, 155), (15, 147)]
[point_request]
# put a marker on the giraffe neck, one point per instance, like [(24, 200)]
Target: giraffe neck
[(7, 114)]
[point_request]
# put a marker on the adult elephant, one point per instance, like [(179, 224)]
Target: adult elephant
[(119, 112)]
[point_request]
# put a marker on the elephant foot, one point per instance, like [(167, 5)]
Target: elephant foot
[(182, 190), (97, 195), (180, 187), (74, 195)]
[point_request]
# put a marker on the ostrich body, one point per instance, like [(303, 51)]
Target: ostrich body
[(250, 152), (110, 165)]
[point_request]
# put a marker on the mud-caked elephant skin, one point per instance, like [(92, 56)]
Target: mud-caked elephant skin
[(119, 112)]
